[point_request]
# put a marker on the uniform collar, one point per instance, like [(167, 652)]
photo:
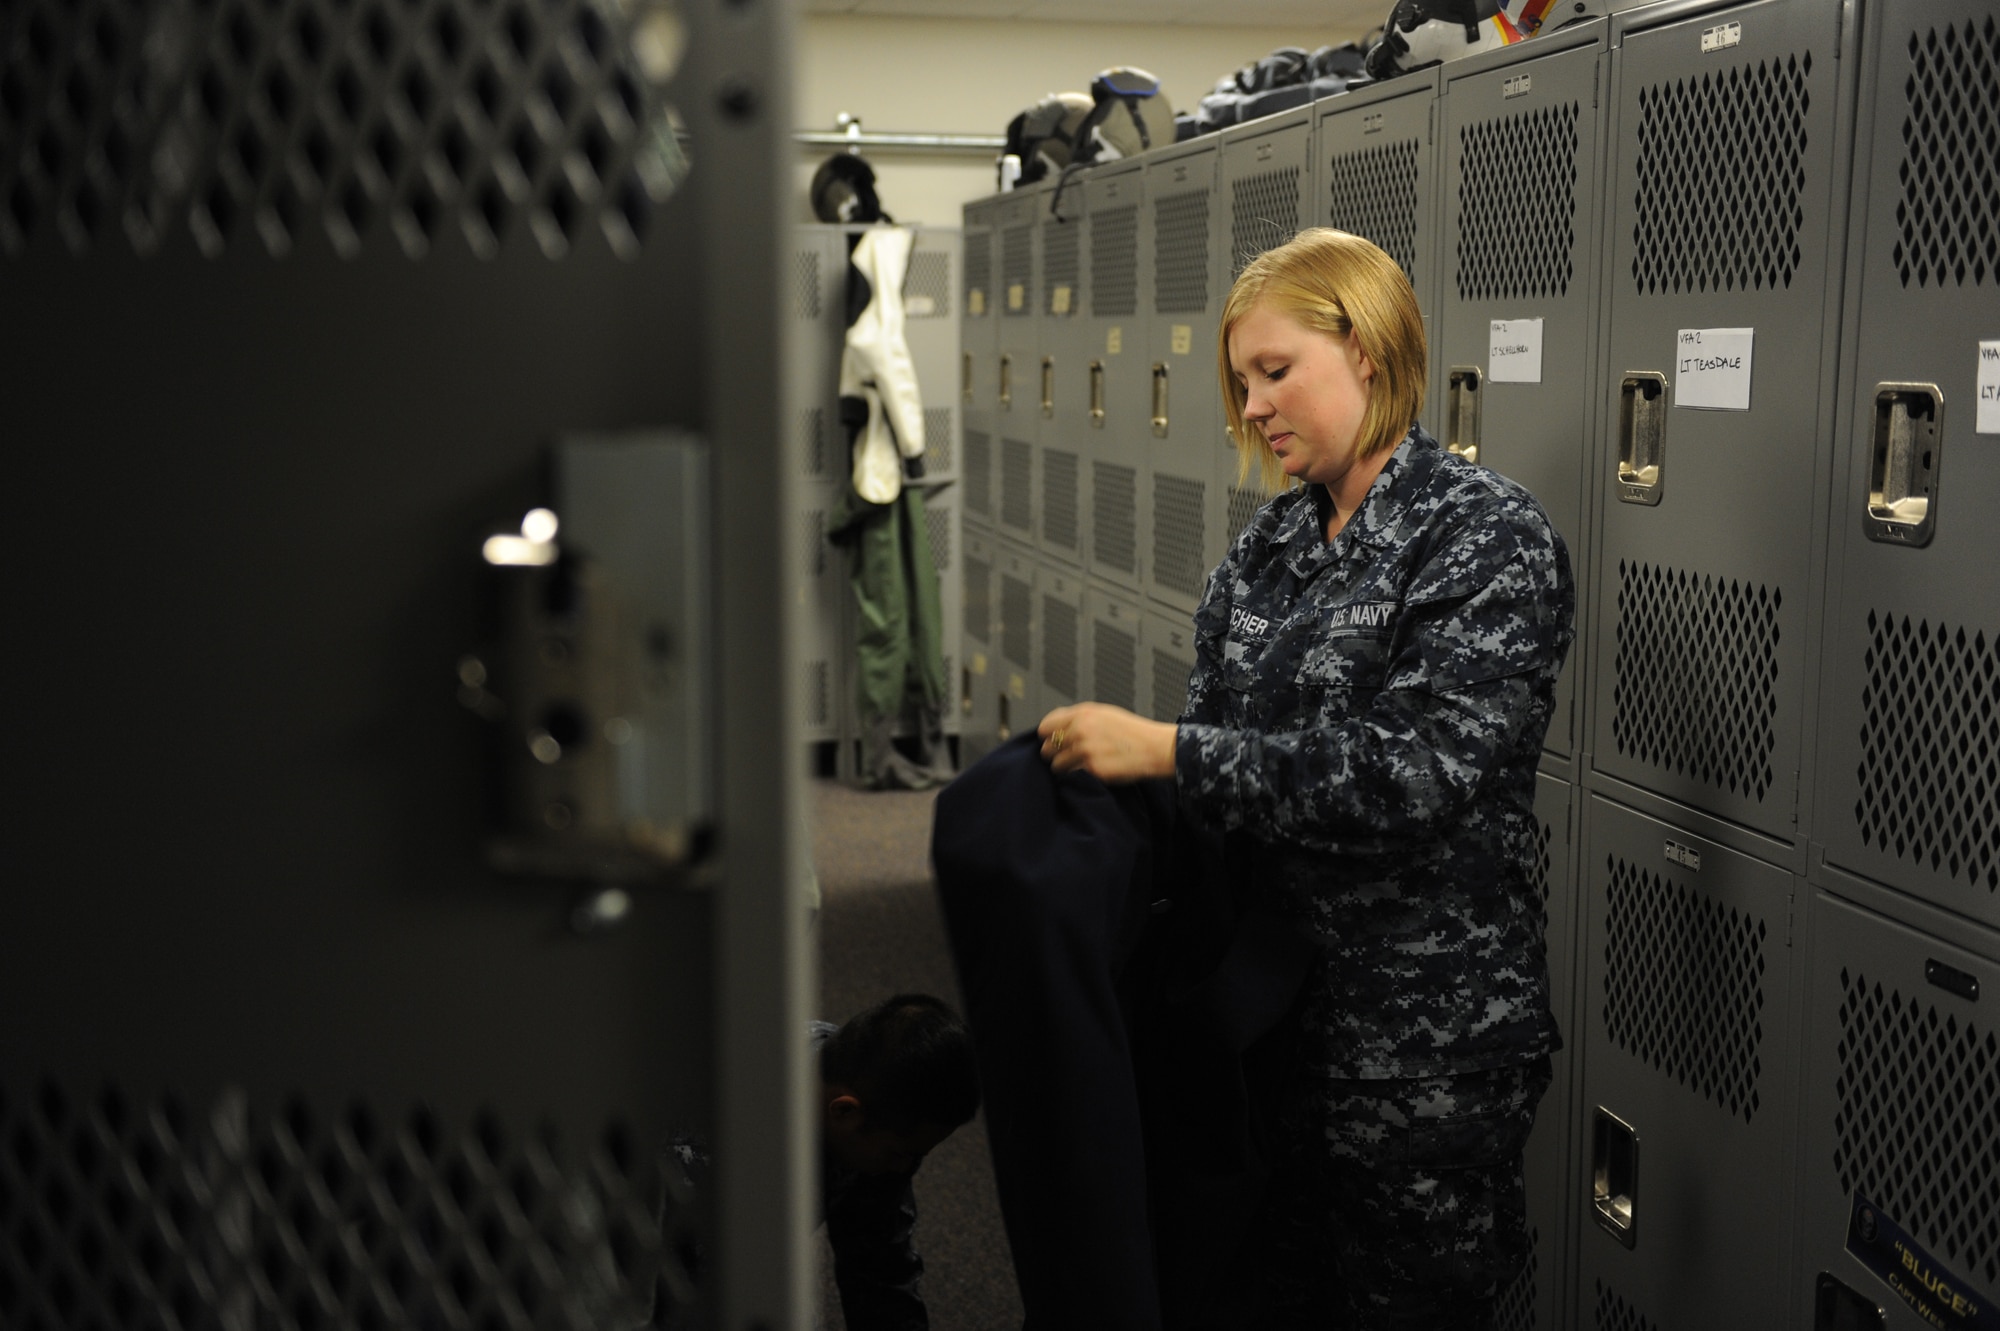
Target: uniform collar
[(1302, 533)]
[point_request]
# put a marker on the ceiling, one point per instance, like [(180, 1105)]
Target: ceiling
[(1325, 15)]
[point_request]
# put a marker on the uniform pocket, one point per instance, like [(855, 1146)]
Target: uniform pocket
[(1349, 659)]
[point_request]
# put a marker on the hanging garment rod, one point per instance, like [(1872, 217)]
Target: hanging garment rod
[(983, 144)]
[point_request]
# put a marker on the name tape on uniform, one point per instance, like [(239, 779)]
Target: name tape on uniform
[(1514, 351), (1712, 368)]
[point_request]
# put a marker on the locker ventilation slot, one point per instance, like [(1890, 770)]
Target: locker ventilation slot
[(1374, 194), (1017, 246), (978, 273), (126, 1211), (1114, 262), (937, 526), (1515, 1309), (1243, 505), (937, 440), (1180, 253), (929, 279), (819, 695), (1684, 986), (1016, 604), (1721, 166), (1170, 681), (1930, 733), (1114, 514), (1517, 205), (1696, 688), (1115, 668), (1017, 502), (806, 293), (978, 598), (1061, 253), (812, 441), (1948, 225), (1177, 535), (1915, 1125), (812, 536), (1059, 646), (267, 126), (1059, 498), (1614, 1314), (979, 473), (1264, 215)]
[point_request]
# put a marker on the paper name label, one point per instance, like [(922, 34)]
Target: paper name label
[(1712, 368), (1988, 421), (975, 301), (1059, 300), (1183, 339), (1514, 351), (1114, 342), (1721, 37), (1017, 296)]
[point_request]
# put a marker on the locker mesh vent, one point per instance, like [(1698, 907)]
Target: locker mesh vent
[(1170, 681), (1930, 746), (127, 1211), (812, 441), (979, 275), (1684, 986), (1061, 252), (938, 434), (1243, 505), (1721, 165), (1016, 604), (1180, 253), (1114, 668), (1948, 223), (1059, 498), (263, 125), (1114, 262), (1517, 205), (1059, 646), (1017, 269), (979, 473), (1017, 501), (938, 526), (1515, 1309), (1114, 517), (1916, 1127), (1614, 1314), (1696, 676), (812, 537), (929, 279), (806, 285), (1264, 214), (1374, 194), (1177, 534), (819, 695), (978, 598)]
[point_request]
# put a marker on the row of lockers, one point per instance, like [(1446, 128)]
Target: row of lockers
[(1713, 281)]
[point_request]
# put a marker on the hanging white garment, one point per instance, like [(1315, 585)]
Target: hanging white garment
[(877, 357)]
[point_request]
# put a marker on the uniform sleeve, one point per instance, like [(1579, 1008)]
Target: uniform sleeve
[(1481, 635), (875, 1263)]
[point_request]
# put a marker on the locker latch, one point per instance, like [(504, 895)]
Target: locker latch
[(1048, 385), (1159, 399), (1006, 383), (1614, 1180), (1097, 394), (965, 377), (1462, 413), (1642, 437), (1903, 463)]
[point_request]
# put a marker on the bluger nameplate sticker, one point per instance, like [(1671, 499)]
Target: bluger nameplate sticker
[(1933, 1291)]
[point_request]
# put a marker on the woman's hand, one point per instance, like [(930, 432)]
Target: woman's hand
[(1108, 742)]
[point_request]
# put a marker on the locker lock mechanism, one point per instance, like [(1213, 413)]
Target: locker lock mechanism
[(1614, 1178), (1903, 464), (1642, 438), (1462, 412)]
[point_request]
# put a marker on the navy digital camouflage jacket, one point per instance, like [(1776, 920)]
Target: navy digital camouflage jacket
[(1363, 723)]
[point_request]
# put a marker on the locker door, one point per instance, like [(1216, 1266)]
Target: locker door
[(1901, 1112), (1186, 511), (1064, 665), (1169, 660), (1689, 1080), (1517, 300), (1267, 178), (979, 364), (931, 327), (1063, 383), (1723, 133), (820, 261), (944, 523), (1909, 794), (1112, 624), (981, 674), (1017, 418), (1015, 572), (1116, 381)]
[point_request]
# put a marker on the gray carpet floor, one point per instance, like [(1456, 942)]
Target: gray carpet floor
[(879, 933)]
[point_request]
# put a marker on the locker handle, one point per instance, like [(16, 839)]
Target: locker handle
[(1614, 1185), (1642, 437), (965, 377), (1903, 463), (1048, 385), (1160, 399), (1097, 394), (965, 690), (1006, 383), (1462, 413)]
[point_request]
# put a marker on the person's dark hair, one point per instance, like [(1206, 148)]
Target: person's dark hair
[(909, 1060)]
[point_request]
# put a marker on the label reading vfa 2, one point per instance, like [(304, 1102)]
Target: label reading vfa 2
[(1518, 86), (1721, 37), (1685, 856)]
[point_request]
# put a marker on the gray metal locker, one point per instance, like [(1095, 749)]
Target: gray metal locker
[(979, 363), (1168, 660), (979, 668), (1723, 130), (944, 522), (1908, 792), (1900, 1116), (1689, 1072), (1512, 344), (1062, 663), (1267, 187), (932, 328), (820, 451), (1016, 571), (1062, 394), (1114, 633), (1017, 416), (1117, 385)]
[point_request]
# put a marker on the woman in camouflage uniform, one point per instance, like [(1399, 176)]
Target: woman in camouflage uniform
[(1375, 670)]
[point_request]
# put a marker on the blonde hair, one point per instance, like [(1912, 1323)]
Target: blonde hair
[(1338, 284)]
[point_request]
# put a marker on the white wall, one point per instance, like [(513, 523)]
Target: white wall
[(971, 76)]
